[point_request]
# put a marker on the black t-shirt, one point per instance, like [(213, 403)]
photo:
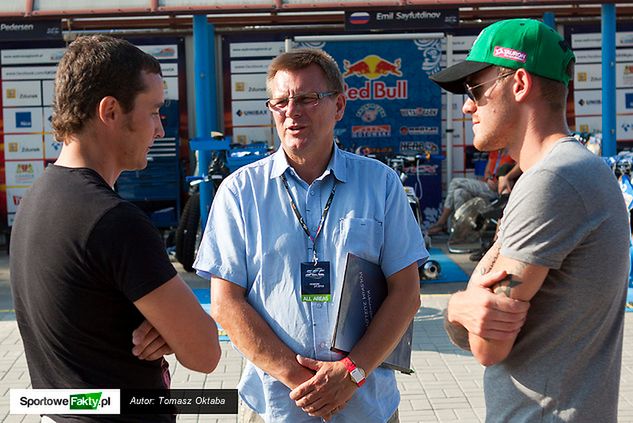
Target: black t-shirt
[(79, 256)]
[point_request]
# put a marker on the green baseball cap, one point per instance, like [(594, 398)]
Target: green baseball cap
[(514, 44)]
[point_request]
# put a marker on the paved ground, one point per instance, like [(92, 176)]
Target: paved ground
[(446, 385)]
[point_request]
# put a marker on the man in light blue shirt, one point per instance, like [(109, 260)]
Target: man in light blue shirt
[(305, 208)]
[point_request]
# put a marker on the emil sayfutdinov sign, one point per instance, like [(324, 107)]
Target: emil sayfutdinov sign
[(399, 20), (392, 106)]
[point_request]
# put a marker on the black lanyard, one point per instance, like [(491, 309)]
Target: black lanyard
[(300, 218)]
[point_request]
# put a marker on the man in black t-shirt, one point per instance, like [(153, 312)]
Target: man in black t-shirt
[(88, 267)]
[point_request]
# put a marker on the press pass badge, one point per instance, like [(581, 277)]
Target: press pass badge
[(315, 282)]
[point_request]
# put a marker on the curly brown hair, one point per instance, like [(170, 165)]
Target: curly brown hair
[(94, 67)]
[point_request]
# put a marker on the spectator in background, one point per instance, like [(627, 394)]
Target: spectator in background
[(461, 190)]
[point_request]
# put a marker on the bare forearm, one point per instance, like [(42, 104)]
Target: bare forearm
[(456, 333), (257, 341)]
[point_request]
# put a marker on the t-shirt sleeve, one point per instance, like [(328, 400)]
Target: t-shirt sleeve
[(222, 252), (403, 241), (128, 250), (544, 220)]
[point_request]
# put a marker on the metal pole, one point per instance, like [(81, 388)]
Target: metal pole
[(549, 19), (449, 115), (204, 66), (608, 80)]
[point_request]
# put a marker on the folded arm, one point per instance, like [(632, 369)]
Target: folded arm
[(173, 310), (521, 283), (479, 311)]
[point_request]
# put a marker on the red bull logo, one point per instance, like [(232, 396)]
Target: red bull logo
[(372, 67), (378, 90)]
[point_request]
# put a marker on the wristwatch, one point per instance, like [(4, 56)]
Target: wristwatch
[(357, 374)]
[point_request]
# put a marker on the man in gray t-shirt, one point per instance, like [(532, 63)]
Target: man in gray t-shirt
[(544, 309)]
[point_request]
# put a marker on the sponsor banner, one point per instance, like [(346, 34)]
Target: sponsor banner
[(624, 128), (31, 56), (48, 117), (22, 120), (250, 134), (401, 19), (459, 159), (589, 76), (391, 103), (52, 147), (161, 52), (458, 103), (169, 69), (30, 72), (594, 40), (371, 131), (48, 92), (170, 88), (458, 131), (461, 44), (264, 49), (595, 56), (589, 102), (23, 147), (248, 86), (468, 132), (31, 30), (369, 112), (65, 401), (250, 113), (21, 93), (250, 66), (23, 172), (14, 197)]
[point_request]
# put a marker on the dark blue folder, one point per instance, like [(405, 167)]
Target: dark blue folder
[(364, 290)]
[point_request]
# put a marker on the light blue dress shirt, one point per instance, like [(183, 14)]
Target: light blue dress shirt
[(253, 239)]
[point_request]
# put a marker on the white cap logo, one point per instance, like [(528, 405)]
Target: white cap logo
[(510, 54)]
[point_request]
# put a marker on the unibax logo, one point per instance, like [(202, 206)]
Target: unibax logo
[(510, 54), (65, 401)]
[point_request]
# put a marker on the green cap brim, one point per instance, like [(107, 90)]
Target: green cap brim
[(452, 79)]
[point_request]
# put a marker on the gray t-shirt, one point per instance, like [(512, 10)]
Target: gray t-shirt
[(566, 213)]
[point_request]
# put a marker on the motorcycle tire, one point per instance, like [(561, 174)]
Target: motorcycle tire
[(187, 232)]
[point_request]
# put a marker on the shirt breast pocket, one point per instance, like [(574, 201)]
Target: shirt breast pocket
[(362, 237)]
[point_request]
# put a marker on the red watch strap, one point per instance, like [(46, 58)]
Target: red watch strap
[(349, 364)]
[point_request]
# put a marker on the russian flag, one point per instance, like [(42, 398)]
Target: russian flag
[(359, 18)]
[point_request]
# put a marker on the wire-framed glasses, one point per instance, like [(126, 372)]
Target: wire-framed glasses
[(475, 92), (309, 99)]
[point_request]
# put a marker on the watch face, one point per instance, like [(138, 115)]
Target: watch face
[(357, 375)]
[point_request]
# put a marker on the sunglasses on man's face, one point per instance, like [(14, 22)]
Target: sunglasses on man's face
[(475, 92)]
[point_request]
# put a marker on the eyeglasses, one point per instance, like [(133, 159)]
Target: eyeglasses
[(475, 92), (310, 99)]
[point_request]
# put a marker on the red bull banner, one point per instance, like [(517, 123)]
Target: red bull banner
[(393, 107)]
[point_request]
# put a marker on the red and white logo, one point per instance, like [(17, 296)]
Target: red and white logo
[(510, 54)]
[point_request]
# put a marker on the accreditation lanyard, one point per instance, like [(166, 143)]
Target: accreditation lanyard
[(302, 222)]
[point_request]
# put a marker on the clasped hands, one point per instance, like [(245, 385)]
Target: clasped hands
[(325, 393)]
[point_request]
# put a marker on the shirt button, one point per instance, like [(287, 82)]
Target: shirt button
[(312, 193), (323, 345)]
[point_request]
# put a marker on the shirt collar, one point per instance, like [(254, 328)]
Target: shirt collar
[(336, 166)]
